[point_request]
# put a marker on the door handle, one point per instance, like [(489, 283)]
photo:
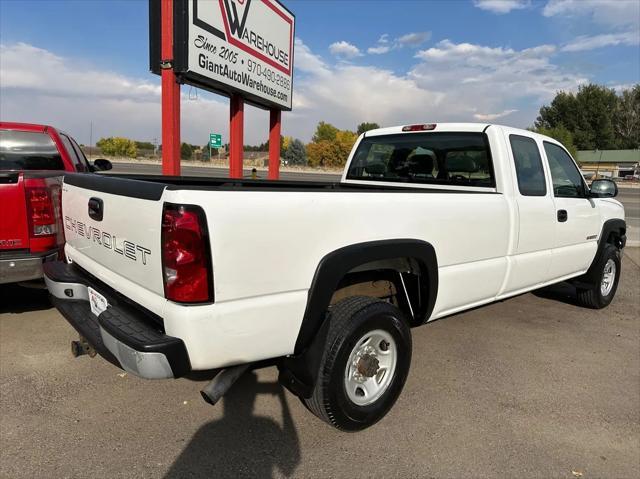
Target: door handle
[(562, 216), (96, 209)]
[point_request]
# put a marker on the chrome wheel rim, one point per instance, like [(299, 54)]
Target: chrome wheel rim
[(608, 277), (371, 367)]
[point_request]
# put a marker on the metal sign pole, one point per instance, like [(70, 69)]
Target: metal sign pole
[(274, 144), (236, 133), (170, 95)]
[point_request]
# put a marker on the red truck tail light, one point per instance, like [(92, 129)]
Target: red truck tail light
[(42, 218), (186, 261)]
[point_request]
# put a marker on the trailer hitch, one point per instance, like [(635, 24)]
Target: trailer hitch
[(82, 347)]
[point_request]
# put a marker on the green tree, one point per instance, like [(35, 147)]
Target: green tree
[(205, 153), (286, 141), (561, 134), (118, 146), (324, 131), (331, 153), (626, 119), (362, 127), (144, 145), (588, 115), (186, 150), (295, 153)]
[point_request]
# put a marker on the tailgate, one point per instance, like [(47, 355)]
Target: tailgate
[(112, 227), (14, 233)]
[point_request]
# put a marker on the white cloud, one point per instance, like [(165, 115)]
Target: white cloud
[(501, 6), (452, 82), (449, 82), (414, 39), (55, 76), (306, 60), (38, 86), (587, 42), (478, 78), (379, 50), (620, 87), (492, 116), (385, 45), (613, 13), (344, 49)]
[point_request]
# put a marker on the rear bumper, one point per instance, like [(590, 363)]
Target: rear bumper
[(24, 267), (124, 334)]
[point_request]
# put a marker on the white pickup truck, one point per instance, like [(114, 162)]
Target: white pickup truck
[(169, 275)]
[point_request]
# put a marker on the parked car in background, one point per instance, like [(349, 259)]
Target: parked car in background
[(32, 158)]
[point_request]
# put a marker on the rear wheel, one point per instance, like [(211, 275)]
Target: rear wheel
[(364, 365), (599, 295)]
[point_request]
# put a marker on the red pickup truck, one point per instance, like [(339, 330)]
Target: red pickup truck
[(32, 161)]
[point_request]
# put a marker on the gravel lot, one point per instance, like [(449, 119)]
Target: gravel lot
[(533, 387)]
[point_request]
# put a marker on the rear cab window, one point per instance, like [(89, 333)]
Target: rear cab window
[(529, 169), (28, 150), (439, 158)]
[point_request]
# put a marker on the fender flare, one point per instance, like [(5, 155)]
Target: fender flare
[(298, 372), (615, 225), (336, 264)]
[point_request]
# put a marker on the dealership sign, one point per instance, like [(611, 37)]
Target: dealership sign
[(232, 46)]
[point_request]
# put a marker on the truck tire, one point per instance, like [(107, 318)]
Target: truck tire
[(365, 363), (601, 293)]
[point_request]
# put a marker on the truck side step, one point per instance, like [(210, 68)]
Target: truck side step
[(219, 385)]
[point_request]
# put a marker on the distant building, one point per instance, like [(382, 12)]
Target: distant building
[(610, 163)]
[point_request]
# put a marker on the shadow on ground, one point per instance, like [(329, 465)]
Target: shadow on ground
[(562, 292), (19, 299), (242, 444)]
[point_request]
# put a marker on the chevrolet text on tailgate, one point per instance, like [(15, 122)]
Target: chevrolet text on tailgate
[(168, 275)]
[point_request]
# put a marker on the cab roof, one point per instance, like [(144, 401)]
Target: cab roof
[(446, 127), (8, 125)]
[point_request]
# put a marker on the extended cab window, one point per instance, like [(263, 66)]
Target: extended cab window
[(78, 159), (438, 158), (531, 181), (567, 180), (27, 150)]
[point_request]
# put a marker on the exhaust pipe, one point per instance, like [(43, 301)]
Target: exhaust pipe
[(219, 385)]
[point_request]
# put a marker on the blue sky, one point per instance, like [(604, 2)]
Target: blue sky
[(75, 62)]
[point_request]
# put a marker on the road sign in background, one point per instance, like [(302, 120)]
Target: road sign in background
[(215, 140)]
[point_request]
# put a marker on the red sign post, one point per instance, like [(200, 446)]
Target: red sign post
[(274, 144), (236, 136), (212, 45), (170, 96)]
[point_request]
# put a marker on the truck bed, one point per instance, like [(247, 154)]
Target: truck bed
[(151, 186)]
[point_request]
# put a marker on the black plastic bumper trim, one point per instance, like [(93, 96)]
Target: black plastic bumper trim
[(130, 325)]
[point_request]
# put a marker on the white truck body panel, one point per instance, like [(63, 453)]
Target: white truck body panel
[(490, 243)]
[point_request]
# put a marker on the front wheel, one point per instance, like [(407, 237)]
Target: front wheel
[(601, 294), (365, 363)]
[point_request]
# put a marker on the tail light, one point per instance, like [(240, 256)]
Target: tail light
[(42, 219), (423, 127), (186, 261)]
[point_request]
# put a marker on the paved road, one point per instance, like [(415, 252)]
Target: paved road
[(630, 198), (531, 387), (144, 169)]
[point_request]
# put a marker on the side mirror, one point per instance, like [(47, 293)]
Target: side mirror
[(604, 189), (102, 165)]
